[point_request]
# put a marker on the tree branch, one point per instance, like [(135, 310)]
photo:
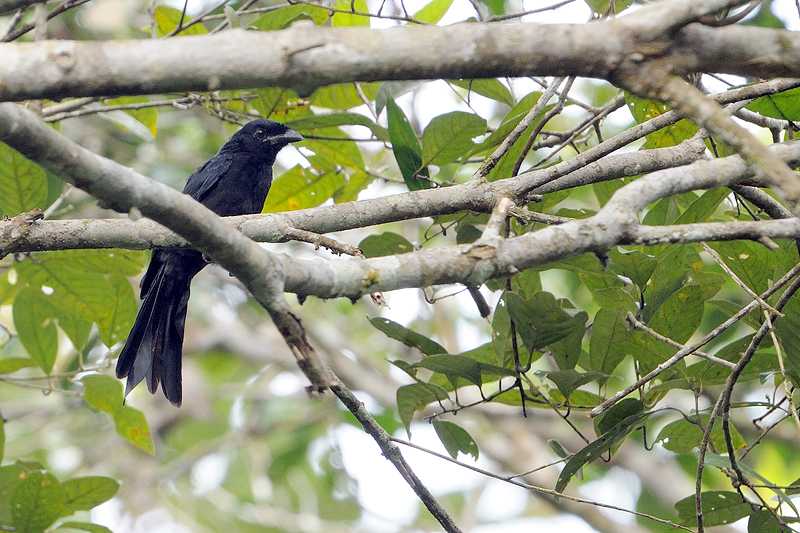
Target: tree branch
[(305, 57)]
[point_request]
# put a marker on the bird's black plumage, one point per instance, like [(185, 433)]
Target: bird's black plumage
[(233, 182)]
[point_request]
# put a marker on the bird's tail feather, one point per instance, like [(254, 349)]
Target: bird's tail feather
[(154, 347)]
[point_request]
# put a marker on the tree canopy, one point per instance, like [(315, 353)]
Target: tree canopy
[(556, 254)]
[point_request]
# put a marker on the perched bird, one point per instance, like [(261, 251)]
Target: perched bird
[(233, 182)]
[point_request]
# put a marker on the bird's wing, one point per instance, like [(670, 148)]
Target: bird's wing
[(204, 178)]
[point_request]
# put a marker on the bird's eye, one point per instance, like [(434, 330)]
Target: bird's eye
[(261, 134)]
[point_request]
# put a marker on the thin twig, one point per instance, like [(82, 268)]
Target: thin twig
[(393, 454)]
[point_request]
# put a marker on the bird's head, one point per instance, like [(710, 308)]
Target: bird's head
[(262, 137)]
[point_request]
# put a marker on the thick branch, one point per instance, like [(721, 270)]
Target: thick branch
[(305, 57)]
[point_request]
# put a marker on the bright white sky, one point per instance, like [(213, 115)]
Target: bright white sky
[(389, 502)]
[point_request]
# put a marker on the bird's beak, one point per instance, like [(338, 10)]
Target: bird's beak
[(290, 136)]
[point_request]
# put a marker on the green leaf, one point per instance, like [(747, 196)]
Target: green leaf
[(490, 88), (674, 264), (541, 320), (33, 320), (105, 394), (146, 115), (300, 188), (644, 110), (167, 19), (636, 265), (682, 436), (76, 328), (599, 6), (342, 153), (274, 101), (386, 243), (597, 448), (509, 122), (9, 365), (701, 209), (609, 331), (131, 424), (433, 11), (406, 149), (455, 439), (788, 332), (568, 381), (723, 463), (282, 18), (414, 397), (314, 123), (618, 413), (410, 338), (719, 507), (343, 96), (679, 316), (84, 526), (763, 521), (89, 284), (351, 19), (454, 366), (449, 137), (86, 493), (23, 183), (36, 502), (2, 439), (749, 260), (356, 182), (785, 105)]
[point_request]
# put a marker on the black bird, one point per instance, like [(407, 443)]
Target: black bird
[(233, 182)]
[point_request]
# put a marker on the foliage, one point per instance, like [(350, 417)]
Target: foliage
[(564, 337)]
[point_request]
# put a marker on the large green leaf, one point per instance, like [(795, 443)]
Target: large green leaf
[(701, 209), (680, 314), (414, 397), (542, 320), (749, 260), (343, 96), (36, 502), (146, 115), (598, 447), (89, 284), (406, 148), (386, 243), (33, 319), (167, 19), (635, 265), (104, 393), (23, 184), (720, 507), (314, 123), (455, 439), (609, 331), (785, 105), (342, 19), (83, 526), (283, 17), (299, 188), (643, 110), (682, 436), (410, 338), (509, 122), (86, 493), (449, 137), (433, 11), (490, 88)]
